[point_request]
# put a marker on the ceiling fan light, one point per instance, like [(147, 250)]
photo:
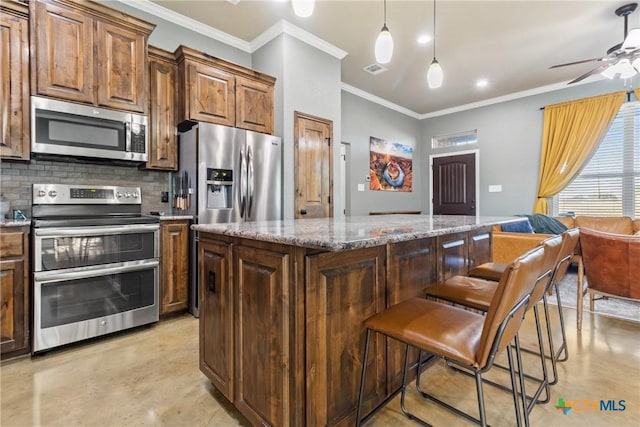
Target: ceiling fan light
[(384, 46), (303, 8), (435, 75)]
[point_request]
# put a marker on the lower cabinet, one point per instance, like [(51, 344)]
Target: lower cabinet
[(174, 266), (14, 291)]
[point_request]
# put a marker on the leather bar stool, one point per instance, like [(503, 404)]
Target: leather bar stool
[(493, 271), (478, 294), (464, 338)]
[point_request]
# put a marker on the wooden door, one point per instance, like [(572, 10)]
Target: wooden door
[(263, 325), (454, 185), (210, 95), (174, 282), (216, 315), (62, 39), (313, 166), (342, 290), (121, 68), (163, 143), (254, 105), (14, 85)]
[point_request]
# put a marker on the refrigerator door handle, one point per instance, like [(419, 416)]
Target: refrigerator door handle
[(243, 184), (250, 181)]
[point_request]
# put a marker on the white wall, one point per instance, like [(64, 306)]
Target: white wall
[(362, 119)]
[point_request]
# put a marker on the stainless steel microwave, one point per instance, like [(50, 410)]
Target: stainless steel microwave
[(69, 129)]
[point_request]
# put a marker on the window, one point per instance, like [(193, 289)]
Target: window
[(610, 183), (455, 139)]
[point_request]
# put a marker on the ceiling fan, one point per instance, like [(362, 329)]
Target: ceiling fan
[(622, 59)]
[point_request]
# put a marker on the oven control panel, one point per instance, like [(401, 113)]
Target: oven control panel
[(59, 194)]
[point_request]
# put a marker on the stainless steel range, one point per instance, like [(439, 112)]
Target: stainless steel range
[(95, 263)]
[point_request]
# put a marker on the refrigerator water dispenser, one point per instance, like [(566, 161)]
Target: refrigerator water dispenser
[(219, 188)]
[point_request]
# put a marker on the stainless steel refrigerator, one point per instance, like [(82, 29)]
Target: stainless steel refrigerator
[(235, 175)]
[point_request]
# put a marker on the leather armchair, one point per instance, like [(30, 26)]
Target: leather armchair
[(612, 267)]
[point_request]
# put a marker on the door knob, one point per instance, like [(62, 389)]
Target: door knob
[(303, 211)]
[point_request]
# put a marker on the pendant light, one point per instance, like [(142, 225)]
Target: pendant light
[(435, 74), (384, 42), (303, 8)]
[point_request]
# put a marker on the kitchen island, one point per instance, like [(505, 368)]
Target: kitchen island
[(282, 305)]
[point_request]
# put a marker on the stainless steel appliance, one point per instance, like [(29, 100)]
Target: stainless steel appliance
[(66, 128), (237, 175), (95, 263)]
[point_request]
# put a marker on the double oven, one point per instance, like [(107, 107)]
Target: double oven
[(95, 263)]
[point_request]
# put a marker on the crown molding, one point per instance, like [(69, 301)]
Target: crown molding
[(186, 22), (380, 101)]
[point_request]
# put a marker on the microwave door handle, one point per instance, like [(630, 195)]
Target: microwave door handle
[(95, 231), (127, 132), (57, 276)]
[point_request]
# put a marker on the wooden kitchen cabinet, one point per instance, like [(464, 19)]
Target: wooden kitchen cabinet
[(174, 266), (479, 246), (87, 52), (216, 91), (163, 94), (14, 291), (216, 315), (14, 75)]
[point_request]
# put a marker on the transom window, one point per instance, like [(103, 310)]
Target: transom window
[(609, 185)]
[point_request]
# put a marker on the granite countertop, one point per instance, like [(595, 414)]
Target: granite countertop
[(175, 217), (15, 223), (338, 234)]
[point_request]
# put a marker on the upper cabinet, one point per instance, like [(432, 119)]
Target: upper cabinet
[(216, 91), (14, 75), (163, 94), (89, 53)]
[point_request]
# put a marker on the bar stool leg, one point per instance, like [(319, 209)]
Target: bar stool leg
[(362, 377), (514, 386), (563, 347), (521, 376)]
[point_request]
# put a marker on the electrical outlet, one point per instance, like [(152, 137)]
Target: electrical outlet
[(164, 197)]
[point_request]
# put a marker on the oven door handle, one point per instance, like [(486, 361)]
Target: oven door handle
[(96, 231), (57, 276)]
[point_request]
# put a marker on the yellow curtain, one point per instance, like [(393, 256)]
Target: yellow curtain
[(636, 92), (572, 132)]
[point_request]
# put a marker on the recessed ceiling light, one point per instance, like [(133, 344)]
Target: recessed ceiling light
[(481, 83), (424, 38)]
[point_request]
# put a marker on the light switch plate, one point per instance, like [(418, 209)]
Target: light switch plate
[(495, 188), (360, 187)]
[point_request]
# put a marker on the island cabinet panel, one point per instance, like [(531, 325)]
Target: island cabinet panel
[(453, 250), (342, 290), (216, 315), (411, 268), (263, 338), (479, 246)]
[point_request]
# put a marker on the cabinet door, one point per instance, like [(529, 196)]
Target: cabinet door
[(62, 39), (263, 323), (121, 68), (254, 105), (14, 87), (210, 95), (174, 287), (12, 304), (163, 143), (216, 315), (453, 250), (411, 268), (479, 246), (342, 290)]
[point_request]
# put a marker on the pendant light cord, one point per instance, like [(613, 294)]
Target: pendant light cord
[(385, 13), (434, 28)]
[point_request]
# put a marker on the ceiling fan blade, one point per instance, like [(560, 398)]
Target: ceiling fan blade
[(596, 70), (632, 41), (577, 62)]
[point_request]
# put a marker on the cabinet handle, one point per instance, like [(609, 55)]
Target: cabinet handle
[(212, 281)]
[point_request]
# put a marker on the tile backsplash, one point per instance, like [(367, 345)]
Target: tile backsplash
[(16, 180)]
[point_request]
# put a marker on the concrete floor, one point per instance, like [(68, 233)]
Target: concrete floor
[(150, 376)]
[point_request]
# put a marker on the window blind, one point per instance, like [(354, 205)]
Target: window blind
[(609, 185)]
